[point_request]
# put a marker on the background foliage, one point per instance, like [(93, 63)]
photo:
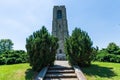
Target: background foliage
[(5, 45), (13, 57), (109, 54)]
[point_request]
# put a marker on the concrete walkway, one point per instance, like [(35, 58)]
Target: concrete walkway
[(62, 63)]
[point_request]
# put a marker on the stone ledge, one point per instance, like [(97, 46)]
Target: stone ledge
[(42, 74), (79, 73)]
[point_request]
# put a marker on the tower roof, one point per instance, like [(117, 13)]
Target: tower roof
[(60, 6)]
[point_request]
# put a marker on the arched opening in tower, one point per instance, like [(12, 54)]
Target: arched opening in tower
[(59, 14), (60, 51)]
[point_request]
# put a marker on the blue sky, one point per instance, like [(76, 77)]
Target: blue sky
[(100, 18)]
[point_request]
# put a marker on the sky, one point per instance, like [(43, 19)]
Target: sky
[(100, 18)]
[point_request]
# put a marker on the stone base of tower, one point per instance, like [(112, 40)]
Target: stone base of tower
[(60, 56)]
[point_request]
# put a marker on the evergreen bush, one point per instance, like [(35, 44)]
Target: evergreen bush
[(41, 48), (78, 48)]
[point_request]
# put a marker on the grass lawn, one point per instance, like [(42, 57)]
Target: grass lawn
[(102, 71), (16, 72), (98, 71)]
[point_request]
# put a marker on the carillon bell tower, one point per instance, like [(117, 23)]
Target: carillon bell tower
[(60, 29)]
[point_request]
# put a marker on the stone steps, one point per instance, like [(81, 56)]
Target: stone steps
[(60, 73), (62, 79), (60, 68)]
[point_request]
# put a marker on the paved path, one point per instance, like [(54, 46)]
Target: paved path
[(62, 63)]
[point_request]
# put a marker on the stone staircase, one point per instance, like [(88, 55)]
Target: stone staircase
[(61, 71), (58, 72)]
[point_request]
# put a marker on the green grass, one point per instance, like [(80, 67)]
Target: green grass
[(98, 71), (102, 71), (16, 72)]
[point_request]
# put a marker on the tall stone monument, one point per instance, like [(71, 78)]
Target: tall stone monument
[(60, 29)]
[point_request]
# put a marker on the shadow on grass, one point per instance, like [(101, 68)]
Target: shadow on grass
[(30, 74), (95, 70)]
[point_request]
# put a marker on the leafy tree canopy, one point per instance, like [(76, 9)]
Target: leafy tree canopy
[(109, 54), (113, 48), (5, 45), (13, 57)]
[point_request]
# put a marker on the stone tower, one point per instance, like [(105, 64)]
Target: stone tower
[(60, 29)]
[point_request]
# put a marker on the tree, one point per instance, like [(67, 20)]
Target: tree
[(5, 45), (94, 52), (78, 48), (109, 54), (112, 48), (41, 48)]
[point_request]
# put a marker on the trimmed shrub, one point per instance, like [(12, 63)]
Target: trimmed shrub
[(78, 48), (41, 48)]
